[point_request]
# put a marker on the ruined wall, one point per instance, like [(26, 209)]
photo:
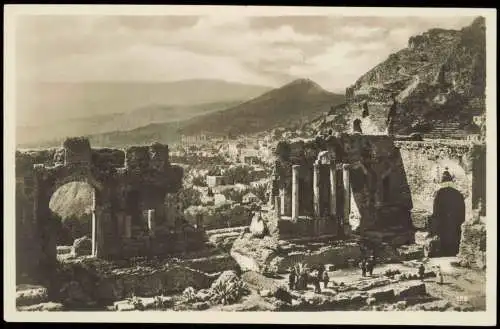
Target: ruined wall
[(130, 188), (424, 163), (371, 160)]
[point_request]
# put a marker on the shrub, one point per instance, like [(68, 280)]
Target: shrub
[(228, 292)]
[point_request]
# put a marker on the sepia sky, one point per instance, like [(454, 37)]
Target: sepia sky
[(332, 50)]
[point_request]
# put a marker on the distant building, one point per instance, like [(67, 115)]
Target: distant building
[(250, 198), (213, 181)]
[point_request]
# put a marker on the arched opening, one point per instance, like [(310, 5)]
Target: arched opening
[(449, 214), (72, 206)]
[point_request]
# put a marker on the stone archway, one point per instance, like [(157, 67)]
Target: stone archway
[(72, 205), (449, 214)]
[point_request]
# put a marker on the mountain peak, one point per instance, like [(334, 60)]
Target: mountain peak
[(304, 84)]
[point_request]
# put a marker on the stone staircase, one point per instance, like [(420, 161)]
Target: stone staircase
[(443, 130)]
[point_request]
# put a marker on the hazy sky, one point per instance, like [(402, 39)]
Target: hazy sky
[(332, 50)]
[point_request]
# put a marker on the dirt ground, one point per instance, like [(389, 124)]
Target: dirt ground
[(461, 286)]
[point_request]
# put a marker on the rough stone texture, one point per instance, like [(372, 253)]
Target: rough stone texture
[(409, 290), (83, 281), (413, 251), (226, 277), (42, 307), (438, 78), (270, 255), (383, 294), (472, 251), (82, 246), (219, 216), (369, 160), (424, 163), (126, 183), (31, 295)]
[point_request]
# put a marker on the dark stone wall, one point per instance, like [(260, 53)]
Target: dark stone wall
[(115, 175), (379, 156)]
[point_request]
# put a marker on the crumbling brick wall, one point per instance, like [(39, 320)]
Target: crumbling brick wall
[(112, 173)]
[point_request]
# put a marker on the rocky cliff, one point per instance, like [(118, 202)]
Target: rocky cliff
[(438, 80)]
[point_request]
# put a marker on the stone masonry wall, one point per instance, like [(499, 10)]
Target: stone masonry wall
[(424, 163)]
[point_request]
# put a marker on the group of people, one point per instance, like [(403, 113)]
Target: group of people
[(316, 276)]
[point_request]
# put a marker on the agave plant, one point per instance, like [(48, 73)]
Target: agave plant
[(228, 292), (189, 295)]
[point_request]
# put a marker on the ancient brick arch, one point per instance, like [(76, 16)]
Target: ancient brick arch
[(112, 173)]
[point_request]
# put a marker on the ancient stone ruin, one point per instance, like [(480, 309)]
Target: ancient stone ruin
[(321, 185), (315, 179), (128, 215)]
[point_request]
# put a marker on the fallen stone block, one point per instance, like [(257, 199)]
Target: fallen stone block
[(409, 290), (401, 305), (31, 296), (410, 252), (125, 307), (371, 301), (200, 306), (382, 294), (439, 305), (265, 293), (42, 307)]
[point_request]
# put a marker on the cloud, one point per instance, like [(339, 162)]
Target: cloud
[(331, 50)]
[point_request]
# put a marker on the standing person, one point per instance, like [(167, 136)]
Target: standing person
[(370, 265), (439, 276), (362, 265), (421, 271), (325, 279)]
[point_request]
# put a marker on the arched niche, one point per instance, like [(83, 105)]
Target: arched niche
[(447, 218)]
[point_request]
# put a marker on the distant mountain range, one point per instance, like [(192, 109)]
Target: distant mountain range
[(52, 111), (296, 102)]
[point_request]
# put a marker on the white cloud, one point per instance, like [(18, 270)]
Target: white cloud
[(217, 47)]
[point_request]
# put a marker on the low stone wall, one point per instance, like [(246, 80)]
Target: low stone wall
[(85, 281), (304, 227), (217, 217)]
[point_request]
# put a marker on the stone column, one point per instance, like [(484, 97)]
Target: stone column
[(151, 222), (277, 205), (94, 225), (333, 189), (94, 234), (316, 191), (282, 202), (347, 195), (295, 192)]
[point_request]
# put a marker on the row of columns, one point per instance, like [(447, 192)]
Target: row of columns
[(280, 201)]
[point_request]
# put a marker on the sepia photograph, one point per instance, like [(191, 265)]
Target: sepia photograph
[(250, 164)]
